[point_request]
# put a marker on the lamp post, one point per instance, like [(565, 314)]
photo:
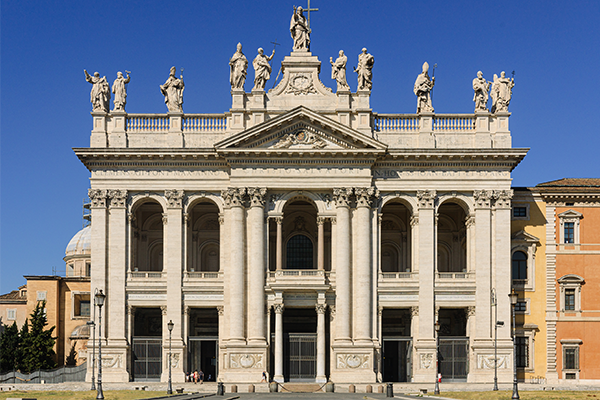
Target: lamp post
[(169, 386), (93, 325), (513, 302), (100, 302), (496, 325), (437, 358)]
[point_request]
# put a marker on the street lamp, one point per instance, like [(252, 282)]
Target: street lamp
[(169, 387), (93, 325), (496, 325), (513, 302), (100, 302), (437, 358)]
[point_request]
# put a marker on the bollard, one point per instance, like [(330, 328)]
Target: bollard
[(351, 388), (273, 387), (380, 389), (329, 388), (369, 389), (220, 389), (250, 388), (233, 388), (389, 392)]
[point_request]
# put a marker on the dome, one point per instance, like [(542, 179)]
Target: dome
[(81, 243)]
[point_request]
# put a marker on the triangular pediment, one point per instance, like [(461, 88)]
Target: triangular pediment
[(523, 236), (301, 129), (570, 214)]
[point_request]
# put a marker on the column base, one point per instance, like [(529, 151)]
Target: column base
[(321, 379), (353, 363), (278, 378)]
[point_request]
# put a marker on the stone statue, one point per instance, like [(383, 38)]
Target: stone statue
[(481, 88), (300, 30), (423, 86), (365, 70), (120, 91), (100, 94), (262, 69), (173, 92), (501, 92), (338, 71), (238, 65)]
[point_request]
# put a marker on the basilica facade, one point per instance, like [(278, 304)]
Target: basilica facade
[(302, 234)]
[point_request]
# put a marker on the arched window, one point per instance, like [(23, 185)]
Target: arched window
[(210, 258), (389, 259), (155, 258), (519, 265), (299, 253)]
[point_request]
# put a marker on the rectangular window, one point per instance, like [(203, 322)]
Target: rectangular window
[(11, 314), (569, 299), (81, 305), (41, 295), (522, 355), (84, 307), (521, 306), (570, 357), (520, 212), (569, 232)]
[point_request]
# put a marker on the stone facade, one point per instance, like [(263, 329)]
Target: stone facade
[(302, 215)]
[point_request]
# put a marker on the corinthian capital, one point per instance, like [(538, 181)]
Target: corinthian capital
[(118, 198), (365, 196), (483, 198), (342, 196), (257, 196), (503, 198), (233, 197), (174, 198), (97, 197), (426, 198)]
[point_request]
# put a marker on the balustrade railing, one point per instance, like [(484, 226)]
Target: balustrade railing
[(454, 123), (147, 123), (396, 123), (398, 275), (202, 123), (145, 275), (203, 275), (455, 275)]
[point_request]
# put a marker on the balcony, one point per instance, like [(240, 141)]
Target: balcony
[(298, 278)]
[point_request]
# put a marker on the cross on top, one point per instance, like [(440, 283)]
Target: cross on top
[(308, 10)]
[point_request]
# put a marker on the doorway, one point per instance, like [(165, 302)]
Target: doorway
[(203, 356)]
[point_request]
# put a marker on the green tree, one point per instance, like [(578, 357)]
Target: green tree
[(9, 348), (37, 343)]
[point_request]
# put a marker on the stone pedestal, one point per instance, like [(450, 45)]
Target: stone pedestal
[(238, 103), (352, 363), (117, 135), (483, 140), (175, 135), (98, 137), (426, 138)]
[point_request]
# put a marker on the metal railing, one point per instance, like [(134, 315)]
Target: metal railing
[(57, 375)]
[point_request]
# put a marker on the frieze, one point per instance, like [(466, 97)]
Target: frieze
[(110, 361), (486, 361), (353, 361), (246, 361), (140, 296), (137, 173), (404, 174)]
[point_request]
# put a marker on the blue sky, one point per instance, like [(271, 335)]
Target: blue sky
[(553, 46)]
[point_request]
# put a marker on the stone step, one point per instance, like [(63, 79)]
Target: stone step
[(300, 387)]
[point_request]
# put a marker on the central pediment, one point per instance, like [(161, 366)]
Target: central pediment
[(301, 130)]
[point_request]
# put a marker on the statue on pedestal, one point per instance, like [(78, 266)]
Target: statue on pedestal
[(120, 91), (365, 70), (173, 92), (100, 94), (481, 88), (422, 89), (338, 71), (502, 92), (300, 30), (238, 65), (262, 69)]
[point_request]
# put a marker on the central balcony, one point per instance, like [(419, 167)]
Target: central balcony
[(299, 278)]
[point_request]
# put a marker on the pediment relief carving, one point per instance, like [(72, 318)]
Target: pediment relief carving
[(523, 236)]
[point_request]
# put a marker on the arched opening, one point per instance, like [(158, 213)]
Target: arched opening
[(395, 238), (147, 241), (519, 265), (451, 233), (203, 238)]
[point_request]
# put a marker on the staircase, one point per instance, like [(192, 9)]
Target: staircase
[(300, 387)]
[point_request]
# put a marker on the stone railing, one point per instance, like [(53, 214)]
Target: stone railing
[(296, 272), (145, 275), (202, 123), (147, 123), (454, 123), (398, 275), (455, 275), (396, 123), (203, 275)]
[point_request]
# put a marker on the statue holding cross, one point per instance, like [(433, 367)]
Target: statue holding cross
[(300, 29)]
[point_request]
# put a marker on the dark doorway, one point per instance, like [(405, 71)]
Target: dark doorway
[(454, 345), (146, 345), (203, 342), (397, 345)]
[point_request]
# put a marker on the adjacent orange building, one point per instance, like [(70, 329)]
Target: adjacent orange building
[(573, 277)]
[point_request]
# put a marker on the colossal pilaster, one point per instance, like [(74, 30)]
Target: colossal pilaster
[(256, 266), (343, 285)]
